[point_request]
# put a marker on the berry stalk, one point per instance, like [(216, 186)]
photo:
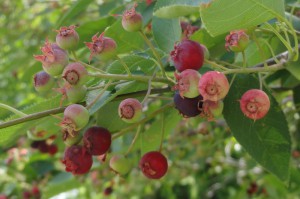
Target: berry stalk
[(15, 111)]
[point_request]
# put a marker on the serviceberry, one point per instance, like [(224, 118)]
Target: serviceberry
[(67, 38), (188, 107), (120, 164), (187, 83), (154, 165), (75, 74), (131, 20), (43, 82), (130, 110), (237, 41)]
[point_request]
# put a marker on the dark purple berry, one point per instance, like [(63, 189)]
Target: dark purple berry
[(188, 107)]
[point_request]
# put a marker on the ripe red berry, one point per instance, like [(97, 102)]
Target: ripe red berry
[(54, 59), (120, 164), (75, 118), (35, 192), (187, 54), (43, 82), (131, 20), (154, 165), (75, 74), (77, 160), (97, 140), (130, 110), (187, 83), (67, 37), (188, 107), (213, 86), (3, 196), (52, 149), (107, 191), (255, 104), (102, 47), (237, 41)]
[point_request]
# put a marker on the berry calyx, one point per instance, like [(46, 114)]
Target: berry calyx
[(211, 109), (120, 164), (43, 82), (71, 138), (187, 83), (188, 107), (97, 140), (75, 74), (75, 118), (237, 41), (130, 110), (255, 104), (131, 20), (54, 59), (187, 54), (67, 37), (77, 160), (154, 165), (213, 86), (102, 47)]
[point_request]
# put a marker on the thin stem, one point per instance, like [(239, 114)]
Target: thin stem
[(244, 59), (31, 117), (99, 95), (160, 64), (124, 65), (92, 67), (271, 68), (227, 64), (232, 80), (15, 111), (260, 81), (162, 131), (125, 130), (74, 55), (132, 77), (215, 65), (149, 88), (271, 50), (134, 140)]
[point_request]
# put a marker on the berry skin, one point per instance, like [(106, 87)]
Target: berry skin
[(97, 140), (131, 20), (213, 86), (237, 41), (188, 107), (75, 118), (67, 38), (130, 110), (212, 109), (255, 104), (187, 83), (206, 51), (77, 160), (43, 82), (52, 149), (76, 94), (102, 47), (120, 164), (54, 59), (75, 74), (187, 54), (154, 165)]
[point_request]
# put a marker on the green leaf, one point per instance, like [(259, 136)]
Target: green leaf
[(204, 38), (175, 8), (267, 140), (166, 32), (221, 16), (126, 41), (73, 11), (151, 138), (127, 87), (135, 63), (294, 69)]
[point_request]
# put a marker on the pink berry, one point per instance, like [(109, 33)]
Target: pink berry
[(54, 59), (154, 165), (212, 109), (75, 118), (237, 41), (67, 37), (77, 160), (43, 82), (120, 164), (255, 104), (102, 47), (75, 74), (131, 20), (130, 110), (187, 54), (97, 140), (187, 83), (213, 86)]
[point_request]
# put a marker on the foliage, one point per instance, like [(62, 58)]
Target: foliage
[(230, 157)]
